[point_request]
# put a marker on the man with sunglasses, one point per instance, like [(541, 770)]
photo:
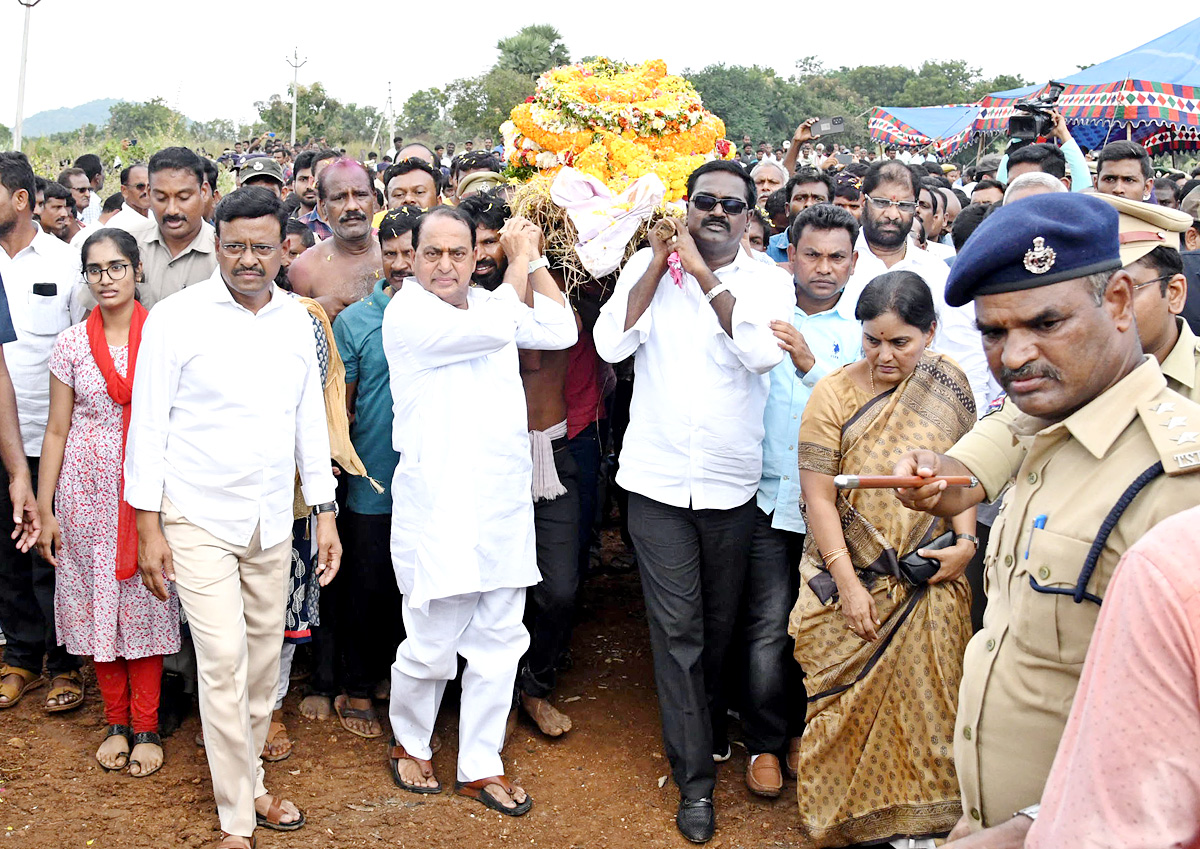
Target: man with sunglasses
[(890, 192), (695, 310)]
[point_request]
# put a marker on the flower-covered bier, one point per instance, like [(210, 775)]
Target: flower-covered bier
[(615, 122)]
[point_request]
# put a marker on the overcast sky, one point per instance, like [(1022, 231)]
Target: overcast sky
[(197, 57)]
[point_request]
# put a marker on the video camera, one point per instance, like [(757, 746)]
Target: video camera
[(1036, 121)]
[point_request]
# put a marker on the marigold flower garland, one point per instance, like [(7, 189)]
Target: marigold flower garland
[(615, 122)]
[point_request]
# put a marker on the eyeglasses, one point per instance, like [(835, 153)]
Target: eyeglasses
[(707, 203), (236, 250), (1152, 282), (884, 203), (141, 187), (93, 274)]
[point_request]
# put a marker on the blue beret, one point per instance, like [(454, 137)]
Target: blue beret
[(1034, 242)]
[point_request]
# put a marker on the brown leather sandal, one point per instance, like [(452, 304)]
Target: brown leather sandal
[(275, 730), (30, 680), (273, 819), (477, 790), (73, 687), (397, 753)]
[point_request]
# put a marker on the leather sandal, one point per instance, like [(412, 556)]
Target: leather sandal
[(30, 680), (341, 706), (397, 753), (274, 731), (73, 687), (273, 819), (144, 737), (477, 790), (119, 731), (763, 777)]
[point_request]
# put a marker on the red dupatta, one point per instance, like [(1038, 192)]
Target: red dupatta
[(120, 389)]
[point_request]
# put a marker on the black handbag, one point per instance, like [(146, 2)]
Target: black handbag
[(917, 570)]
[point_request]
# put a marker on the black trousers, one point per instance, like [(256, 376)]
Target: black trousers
[(693, 569), (368, 625), (550, 604), (775, 702), (585, 448), (27, 602)]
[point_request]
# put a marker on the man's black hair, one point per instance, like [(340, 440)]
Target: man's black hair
[(291, 204), (442, 212), (1046, 157), (399, 221), (57, 190), (90, 165), (295, 227), (776, 203), (933, 168), (210, 174), (988, 184), (487, 210), (1163, 260), (847, 191), (67, 173), (963, 200), (808, 175), (891, 171), (127, 170), (935, 197), (113, 202), (407, 166), (303, 162), (250, 202), (474, 160), (1118, 150), (177, 159), (967, 221), (322, 155), (728, 167), (824, 216)]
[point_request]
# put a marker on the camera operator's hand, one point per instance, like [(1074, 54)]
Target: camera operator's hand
[(1060, 126)]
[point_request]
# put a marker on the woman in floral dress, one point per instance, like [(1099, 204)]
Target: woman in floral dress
[(101, 608)]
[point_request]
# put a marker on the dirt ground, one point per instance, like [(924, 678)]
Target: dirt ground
[(599, 786)]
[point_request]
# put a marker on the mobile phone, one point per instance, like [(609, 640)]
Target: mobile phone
[(46, 289), (829, 126), (270, 135)]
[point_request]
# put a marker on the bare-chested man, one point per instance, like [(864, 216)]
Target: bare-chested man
[(344, 269), (507, 246)]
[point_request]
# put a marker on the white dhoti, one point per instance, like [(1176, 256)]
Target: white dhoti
[(486, 629)]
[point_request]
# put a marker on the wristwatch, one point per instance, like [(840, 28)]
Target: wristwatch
[(540, 262), (968, 538), (714, 291), (1031, 812), (327, 507)]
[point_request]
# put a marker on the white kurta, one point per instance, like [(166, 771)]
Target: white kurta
[(462, 514)]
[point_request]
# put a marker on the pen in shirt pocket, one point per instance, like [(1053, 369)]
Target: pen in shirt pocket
[(1039, 524)]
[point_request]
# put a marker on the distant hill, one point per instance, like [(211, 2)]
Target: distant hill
[(61, 120)]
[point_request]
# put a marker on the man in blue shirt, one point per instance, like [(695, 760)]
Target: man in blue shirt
[(822, 336), (806, 188), (368, 629)]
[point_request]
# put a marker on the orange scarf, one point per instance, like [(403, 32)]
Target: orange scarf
[(120, 389)]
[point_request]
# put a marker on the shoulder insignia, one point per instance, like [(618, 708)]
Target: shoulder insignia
[(1173, 425)]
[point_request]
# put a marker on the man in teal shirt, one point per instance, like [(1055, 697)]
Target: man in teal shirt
[(822, 336), (367, 622)]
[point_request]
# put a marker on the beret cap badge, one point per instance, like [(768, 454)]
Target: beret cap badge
[(1039, 259)]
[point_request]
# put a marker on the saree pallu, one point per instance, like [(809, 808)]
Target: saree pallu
[(876, 756)]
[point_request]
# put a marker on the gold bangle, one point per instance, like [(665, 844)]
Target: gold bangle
[(834, 555)]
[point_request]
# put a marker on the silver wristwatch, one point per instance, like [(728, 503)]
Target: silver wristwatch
[(1031, 812)]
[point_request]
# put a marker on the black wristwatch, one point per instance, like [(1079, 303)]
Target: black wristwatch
[(327, 507)]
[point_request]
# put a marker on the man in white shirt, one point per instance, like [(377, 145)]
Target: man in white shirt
[(93, 169), (227, 406), (890, 192), (462, 515), (38, 272), (692, 455)]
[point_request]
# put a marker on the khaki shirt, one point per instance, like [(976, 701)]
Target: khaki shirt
[(991, 451), (164, 274), (1021, 670)]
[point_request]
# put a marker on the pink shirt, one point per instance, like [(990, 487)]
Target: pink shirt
[(1127, 771)]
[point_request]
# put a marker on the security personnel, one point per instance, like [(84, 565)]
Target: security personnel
[(1056, 312), (1149, 236)]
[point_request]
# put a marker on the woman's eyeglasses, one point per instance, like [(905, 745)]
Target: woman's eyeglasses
[(93, 274)]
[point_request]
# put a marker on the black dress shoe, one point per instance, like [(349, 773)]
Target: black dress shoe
[(696, 819)]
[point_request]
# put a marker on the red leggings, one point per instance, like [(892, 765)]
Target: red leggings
[(130, 689)]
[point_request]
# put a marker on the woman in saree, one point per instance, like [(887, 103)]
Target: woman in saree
[(883, 656)]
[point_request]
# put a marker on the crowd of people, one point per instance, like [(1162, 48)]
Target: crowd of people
[(211, 407)]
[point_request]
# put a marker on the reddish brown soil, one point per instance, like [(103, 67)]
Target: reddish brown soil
[(596, 787)]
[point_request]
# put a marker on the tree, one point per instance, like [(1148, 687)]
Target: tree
[(318, 115), (131, 120), (533, 50), (422, 111), (6, 138), (479, 105)]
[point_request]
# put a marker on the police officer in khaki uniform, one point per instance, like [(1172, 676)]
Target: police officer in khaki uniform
[(1149, 237), (1056, 312)]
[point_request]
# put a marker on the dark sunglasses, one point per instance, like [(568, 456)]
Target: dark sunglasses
[(707, 203)]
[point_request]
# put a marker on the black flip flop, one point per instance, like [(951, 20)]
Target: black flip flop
[(144, 737), (119, 731), (477, 790)]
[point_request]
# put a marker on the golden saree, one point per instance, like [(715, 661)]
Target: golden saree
[(876, 756)]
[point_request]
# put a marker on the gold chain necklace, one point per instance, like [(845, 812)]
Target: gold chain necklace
[(871, 377)]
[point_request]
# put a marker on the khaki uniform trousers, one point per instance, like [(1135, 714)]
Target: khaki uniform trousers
[(234, 598)]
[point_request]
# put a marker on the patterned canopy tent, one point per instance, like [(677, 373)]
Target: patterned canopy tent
[(944, 128), (1150, 94)]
